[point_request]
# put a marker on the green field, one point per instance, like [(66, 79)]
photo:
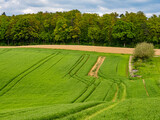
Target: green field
[(47, 84)]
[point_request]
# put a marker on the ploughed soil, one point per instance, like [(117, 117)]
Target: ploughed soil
[(84, 48), (94, 71)]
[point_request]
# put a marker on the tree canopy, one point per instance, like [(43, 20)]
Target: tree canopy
[(74, 27)]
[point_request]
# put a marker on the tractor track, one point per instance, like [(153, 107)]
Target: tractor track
[(25, 73)]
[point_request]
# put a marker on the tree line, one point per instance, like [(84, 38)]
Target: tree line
[(74, 27)]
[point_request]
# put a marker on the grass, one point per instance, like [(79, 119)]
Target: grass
[(41, 84)]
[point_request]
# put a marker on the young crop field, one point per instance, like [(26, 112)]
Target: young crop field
[(49, 84)]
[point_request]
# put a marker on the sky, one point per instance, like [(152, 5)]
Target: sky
[(149, 7)]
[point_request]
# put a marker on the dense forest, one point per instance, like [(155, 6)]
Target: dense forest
[(73, 27)]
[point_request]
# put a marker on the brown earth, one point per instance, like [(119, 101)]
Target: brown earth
[(83, 48), (94, 71)]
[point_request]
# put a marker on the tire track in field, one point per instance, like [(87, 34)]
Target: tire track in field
[(82, 65), (5, 51), (54, 64), (75, 74), (84, 91), (89, 82), (113, 100), (74, 111), (124, 92), (95, 87), (60, 115), (108, 91), (75, 64), (113, 82), (25, 73), (116, 93), (81, 80), (108, 107), (100, 111)]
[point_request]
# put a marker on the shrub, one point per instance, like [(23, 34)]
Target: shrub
[(143, 51)]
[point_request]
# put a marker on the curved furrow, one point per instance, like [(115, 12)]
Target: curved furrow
[(116, 94)]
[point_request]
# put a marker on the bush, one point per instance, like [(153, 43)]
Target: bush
[(143, 51)]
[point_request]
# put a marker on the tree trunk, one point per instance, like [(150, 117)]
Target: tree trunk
[(8, 42)]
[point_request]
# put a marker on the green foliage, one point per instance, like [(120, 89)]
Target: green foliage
[(3, 27), (94, 33), (143, 51), (61, 30), (74, 27), (123, 31), (25, 30)]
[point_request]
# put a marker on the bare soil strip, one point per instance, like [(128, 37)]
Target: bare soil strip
[(84, 48), (94, 71), (145, 87)]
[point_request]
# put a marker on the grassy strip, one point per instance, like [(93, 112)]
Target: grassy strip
[(68, 112), (88, 112), (46, 112)]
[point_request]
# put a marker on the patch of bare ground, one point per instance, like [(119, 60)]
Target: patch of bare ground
[(94, 71), (145, 87), (119, 50)]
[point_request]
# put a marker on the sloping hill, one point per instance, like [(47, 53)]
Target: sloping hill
[(54, 84)]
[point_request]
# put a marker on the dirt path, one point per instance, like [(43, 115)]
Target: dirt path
[(145, 87), (83, 48), (94, 71)]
